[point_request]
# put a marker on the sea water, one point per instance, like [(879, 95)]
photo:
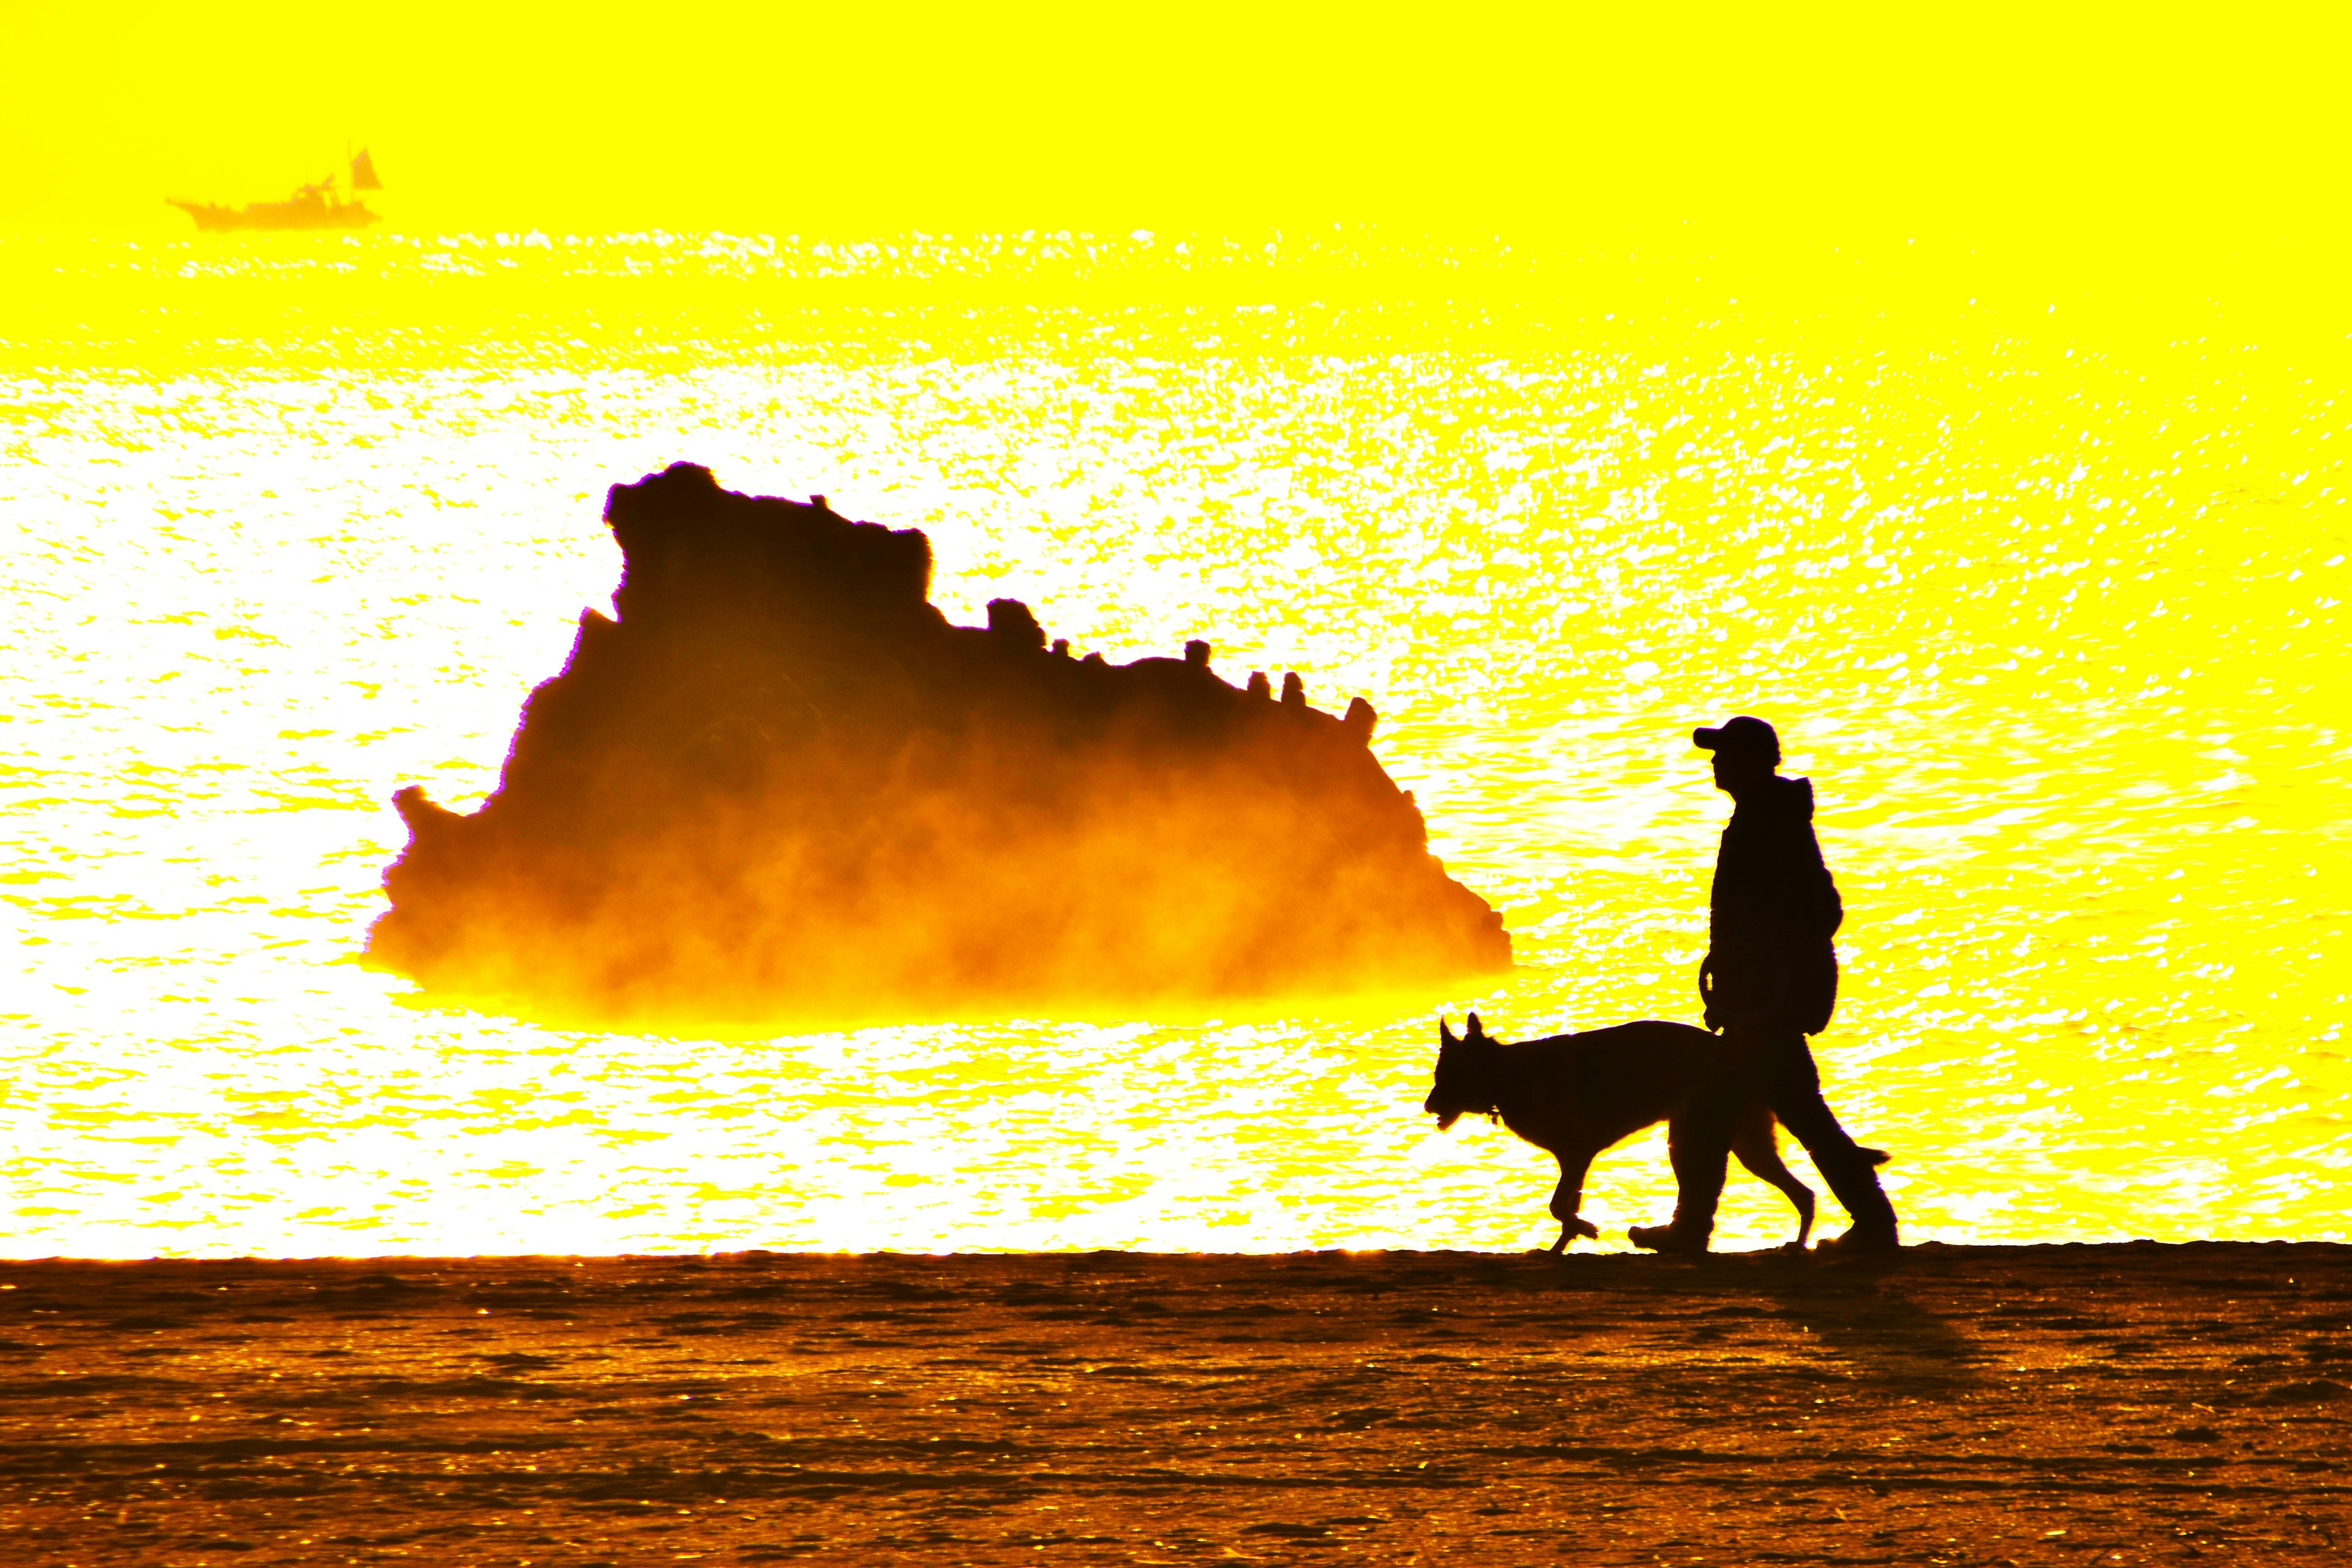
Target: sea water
[(2045, 599)]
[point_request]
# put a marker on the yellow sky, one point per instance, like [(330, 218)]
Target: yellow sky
[(2222, 128)]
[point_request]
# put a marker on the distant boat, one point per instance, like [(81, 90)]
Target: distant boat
[(315, 205)]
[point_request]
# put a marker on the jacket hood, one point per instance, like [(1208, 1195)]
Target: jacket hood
[(1794, 796)]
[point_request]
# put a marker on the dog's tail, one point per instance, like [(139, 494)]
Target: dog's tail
[(1875, 1156)]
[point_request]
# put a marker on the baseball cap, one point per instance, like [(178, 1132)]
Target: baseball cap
[(1741, 734)]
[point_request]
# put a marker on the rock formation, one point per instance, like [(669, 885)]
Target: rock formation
[(781, 786)]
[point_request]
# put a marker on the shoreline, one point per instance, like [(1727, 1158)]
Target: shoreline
[(2068, 1402), (1583, 1254)]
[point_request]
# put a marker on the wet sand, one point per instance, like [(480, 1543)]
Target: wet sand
[(2065, 1405)]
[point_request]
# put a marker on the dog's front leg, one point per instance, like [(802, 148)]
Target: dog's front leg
[(1568, 1197)]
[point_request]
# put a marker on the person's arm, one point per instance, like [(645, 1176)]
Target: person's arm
[(1719, 1015)]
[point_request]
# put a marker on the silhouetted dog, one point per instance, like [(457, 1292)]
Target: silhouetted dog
[(1575, 1095)]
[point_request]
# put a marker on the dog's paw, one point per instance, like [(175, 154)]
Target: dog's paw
[(1577, 1225)]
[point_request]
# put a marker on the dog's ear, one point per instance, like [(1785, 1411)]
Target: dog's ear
[(1476, 1031), (1445, 1040)]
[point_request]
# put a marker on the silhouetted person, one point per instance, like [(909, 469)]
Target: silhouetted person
[(1769, 978)]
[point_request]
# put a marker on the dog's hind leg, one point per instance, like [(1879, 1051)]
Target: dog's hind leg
[(1568, 1197), (1754, 1139)]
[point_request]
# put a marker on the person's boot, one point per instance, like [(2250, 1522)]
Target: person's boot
[(1854, 1180), (1874, 1237), (1667, 1239)]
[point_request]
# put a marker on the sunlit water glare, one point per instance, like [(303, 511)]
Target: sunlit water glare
[(2050, 613)]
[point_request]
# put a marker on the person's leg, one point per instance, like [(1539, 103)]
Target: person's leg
[(1698, 1144), (1791, 1086)]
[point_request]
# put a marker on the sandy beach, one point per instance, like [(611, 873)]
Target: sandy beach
[(2063, 1404)]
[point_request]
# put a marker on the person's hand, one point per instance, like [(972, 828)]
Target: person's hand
[(1715, 1020)]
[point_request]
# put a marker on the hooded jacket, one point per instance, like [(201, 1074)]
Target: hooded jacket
[(1772, 894)]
